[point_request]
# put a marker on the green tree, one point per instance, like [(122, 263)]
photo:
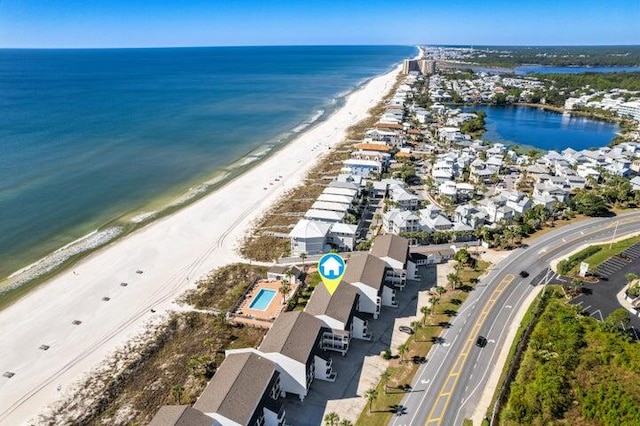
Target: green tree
[(425, 311), (618, 320), (403, 349), (590, 204), (463, 256), (384, 378), (284, 289), (371, 395), (331, 419), (453, 279), (631, 277)]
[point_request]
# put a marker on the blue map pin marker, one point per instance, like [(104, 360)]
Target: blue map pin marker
[(331, 268)]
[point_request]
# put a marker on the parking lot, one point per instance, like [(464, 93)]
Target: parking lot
[(599, 299), (344, 395)]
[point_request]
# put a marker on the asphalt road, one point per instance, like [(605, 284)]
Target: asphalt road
[(448, 387)]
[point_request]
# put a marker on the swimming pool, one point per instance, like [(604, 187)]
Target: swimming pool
[(263, 299)]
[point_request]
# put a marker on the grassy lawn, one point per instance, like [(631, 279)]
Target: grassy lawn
[(402, 371), (605, 253)]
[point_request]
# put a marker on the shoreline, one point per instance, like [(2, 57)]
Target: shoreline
[(171, 253), (30, 276)]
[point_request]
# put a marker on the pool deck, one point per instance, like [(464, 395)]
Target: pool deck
[(243, 314)]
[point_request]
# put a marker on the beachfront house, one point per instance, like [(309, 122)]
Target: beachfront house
[(310, 237), (367, 274), (327, 216), (244, 391), (180, 415), (362, 167), (338, 313), (294, 345)]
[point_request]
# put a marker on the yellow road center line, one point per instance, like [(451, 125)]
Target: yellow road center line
[(459, 363)]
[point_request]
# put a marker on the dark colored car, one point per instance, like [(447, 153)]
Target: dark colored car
[(524, 274), (481, 342), (406, 329)]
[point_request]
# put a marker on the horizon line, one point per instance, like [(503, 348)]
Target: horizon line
[(310, 45)]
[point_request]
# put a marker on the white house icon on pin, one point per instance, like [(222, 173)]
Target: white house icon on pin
[(331, 268)]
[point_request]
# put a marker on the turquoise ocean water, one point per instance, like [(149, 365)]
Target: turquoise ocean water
[(90, 136)]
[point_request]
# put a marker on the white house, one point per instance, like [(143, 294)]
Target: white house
[(244, 391), (293, 344), (338, 313), (396, 221), (324, 215), (343, 236), (367, 274), (327, 205), (309, 236), (362, 167), (394, 250)]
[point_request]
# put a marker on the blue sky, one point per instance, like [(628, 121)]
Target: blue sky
[(151, 23)]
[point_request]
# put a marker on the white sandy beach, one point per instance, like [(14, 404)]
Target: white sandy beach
[(172, 253)]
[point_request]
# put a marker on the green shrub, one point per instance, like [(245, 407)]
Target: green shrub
[(566, 265)]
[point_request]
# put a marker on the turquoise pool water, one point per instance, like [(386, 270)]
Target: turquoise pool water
[(262, 300)]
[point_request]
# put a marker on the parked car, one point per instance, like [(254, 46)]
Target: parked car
[(406, 329), (481, 342), (524, 274)]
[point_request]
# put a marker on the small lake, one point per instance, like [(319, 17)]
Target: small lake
[(543, 129), (538, 69)]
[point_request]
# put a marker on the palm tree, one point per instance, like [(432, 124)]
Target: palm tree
[(176, 392), (453, 279), (284, 289), (372, 395), (631, 277), (303, 256), (289, 274), (403, 349), (331, 419), (433, 301), (441, 290), (345, 422), (384, 378), (577, 284), (425, 311)]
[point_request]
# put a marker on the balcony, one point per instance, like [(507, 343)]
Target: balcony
[(281, 417)]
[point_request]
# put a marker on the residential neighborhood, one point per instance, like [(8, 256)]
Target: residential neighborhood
[(418, 187)]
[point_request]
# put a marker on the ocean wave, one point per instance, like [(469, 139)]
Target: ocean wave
[(139, 218), (52, 261)]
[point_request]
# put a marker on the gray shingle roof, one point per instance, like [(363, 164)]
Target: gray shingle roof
[(180, 415), (293, 334), (237, 387), (337, 306), (366, 269)]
